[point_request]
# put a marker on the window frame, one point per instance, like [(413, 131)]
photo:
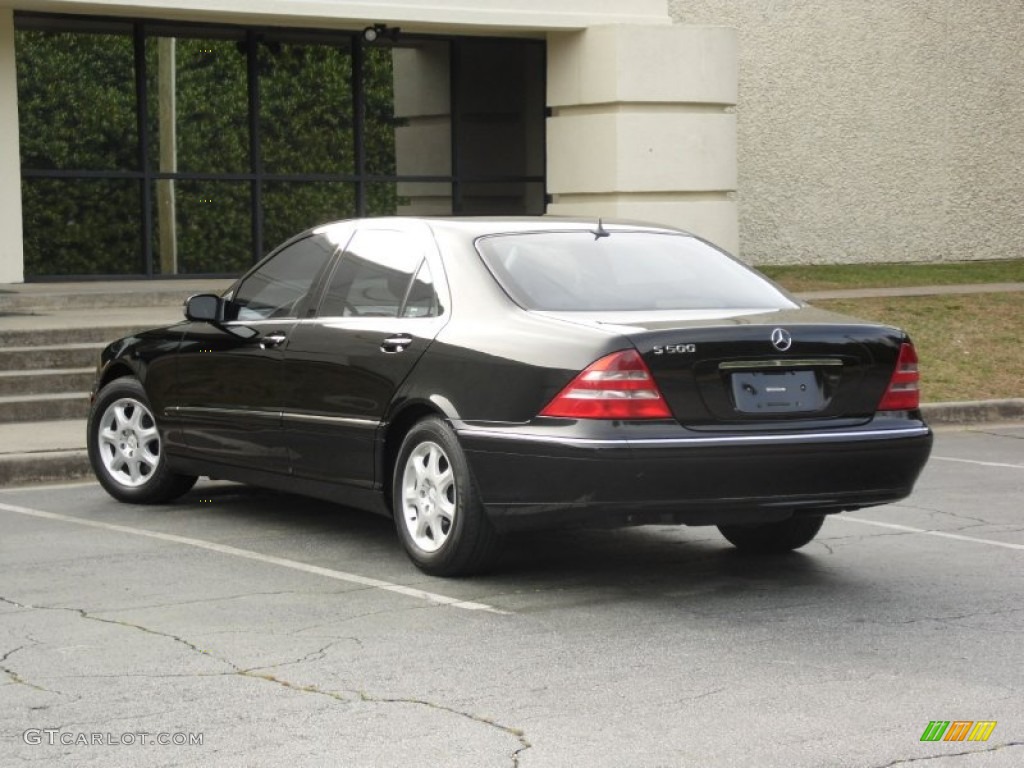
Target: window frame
[(143, 29)]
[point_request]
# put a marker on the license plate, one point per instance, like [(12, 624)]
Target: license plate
[(777, 392)]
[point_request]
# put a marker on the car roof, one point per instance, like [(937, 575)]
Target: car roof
[(478, 226)]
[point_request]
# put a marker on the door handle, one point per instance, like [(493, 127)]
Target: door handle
[(395, 344), (275, 339)]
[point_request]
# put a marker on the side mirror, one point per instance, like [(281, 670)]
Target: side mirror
[(205, 308), (209, 308)]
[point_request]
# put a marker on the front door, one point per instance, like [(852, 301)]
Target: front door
[(230, 377)]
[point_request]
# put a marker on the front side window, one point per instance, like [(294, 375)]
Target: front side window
[(622, 272), (374, 278), (280, 285)]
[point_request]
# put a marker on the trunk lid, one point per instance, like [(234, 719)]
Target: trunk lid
[(752, 369)]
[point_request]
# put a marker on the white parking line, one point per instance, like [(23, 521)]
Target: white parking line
[(295, 565), (979, 463), (940, 534)]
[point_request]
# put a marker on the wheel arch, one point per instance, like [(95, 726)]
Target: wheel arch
[(397, 428), (116, 370)]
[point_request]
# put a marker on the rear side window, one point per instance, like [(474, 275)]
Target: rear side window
[(375, 278), (624, 271)]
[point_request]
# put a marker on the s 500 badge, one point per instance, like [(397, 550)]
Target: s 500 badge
[(675, 349)]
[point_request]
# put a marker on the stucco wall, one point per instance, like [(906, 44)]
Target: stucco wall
[(890, 130)]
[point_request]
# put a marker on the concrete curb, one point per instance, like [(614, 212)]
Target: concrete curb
[(974, 412), (22, 469)]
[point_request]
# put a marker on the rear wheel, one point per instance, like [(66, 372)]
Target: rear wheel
[(125, 447), (781, 536), (439, 517)]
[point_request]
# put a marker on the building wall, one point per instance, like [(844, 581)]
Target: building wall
[(877, 130), (11, 257), (643, 126), (642, 122)]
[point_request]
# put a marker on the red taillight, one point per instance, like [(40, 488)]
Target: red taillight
[(904, 392), (618, 386)]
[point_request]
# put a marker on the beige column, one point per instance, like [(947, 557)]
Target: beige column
[(643, 126), (12, 255)]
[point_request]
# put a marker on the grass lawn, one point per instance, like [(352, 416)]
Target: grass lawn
[(838, 276), (971, 346)]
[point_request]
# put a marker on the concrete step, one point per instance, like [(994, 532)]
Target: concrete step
[(104, 294), (46, 467), (41, 337), (43, 452), (51, 356), (46, 407), (45, 381)]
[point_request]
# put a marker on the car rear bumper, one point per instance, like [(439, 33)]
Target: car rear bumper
[(536, 478)]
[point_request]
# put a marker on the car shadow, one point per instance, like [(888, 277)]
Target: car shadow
[(643, 563)]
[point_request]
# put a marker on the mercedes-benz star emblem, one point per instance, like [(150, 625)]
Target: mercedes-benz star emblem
[(781, 339)]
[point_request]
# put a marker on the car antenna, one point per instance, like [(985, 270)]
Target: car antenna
[(600, 231)]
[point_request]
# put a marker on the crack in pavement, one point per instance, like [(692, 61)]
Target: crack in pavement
[(225, 598), (317, 655), (15, 678), (994, 748), (933, 511), (951, 619), (368, 698), (255, 674), (995, 434)]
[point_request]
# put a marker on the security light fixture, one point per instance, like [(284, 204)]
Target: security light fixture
[(374, 33)]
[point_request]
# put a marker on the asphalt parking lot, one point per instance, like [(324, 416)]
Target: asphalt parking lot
[(281, 631)]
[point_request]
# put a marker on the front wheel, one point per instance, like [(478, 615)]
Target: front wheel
[(440, 520), (781, 536), (125, 448)]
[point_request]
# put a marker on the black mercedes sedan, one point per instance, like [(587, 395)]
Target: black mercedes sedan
[(471, 377)]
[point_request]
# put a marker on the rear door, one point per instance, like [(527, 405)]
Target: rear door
[(381, 307)]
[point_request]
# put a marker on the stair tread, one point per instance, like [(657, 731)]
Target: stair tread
[(46, 371), (33, 437), (56, 347), (43, 398)]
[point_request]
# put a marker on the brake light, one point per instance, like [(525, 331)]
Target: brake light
[(904, 392), (618, 386)]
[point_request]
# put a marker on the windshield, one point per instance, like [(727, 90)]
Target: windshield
[(623, 271)]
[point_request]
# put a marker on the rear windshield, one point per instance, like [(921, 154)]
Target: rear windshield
[(624, 271)]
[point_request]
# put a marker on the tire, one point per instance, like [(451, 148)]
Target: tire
[(783, 536), (126, 449), (440, 520)]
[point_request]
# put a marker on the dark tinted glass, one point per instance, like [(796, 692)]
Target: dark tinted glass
[(202, 227), (76, 100), (373, 276), (198, 104), (625, 271), (292, 206), (306, 114), (278, 287), (82, 226)]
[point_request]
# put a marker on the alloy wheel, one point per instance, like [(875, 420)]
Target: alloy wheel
[(428, 496), (128, 442)]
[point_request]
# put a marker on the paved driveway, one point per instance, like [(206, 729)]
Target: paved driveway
[(280, 631)]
